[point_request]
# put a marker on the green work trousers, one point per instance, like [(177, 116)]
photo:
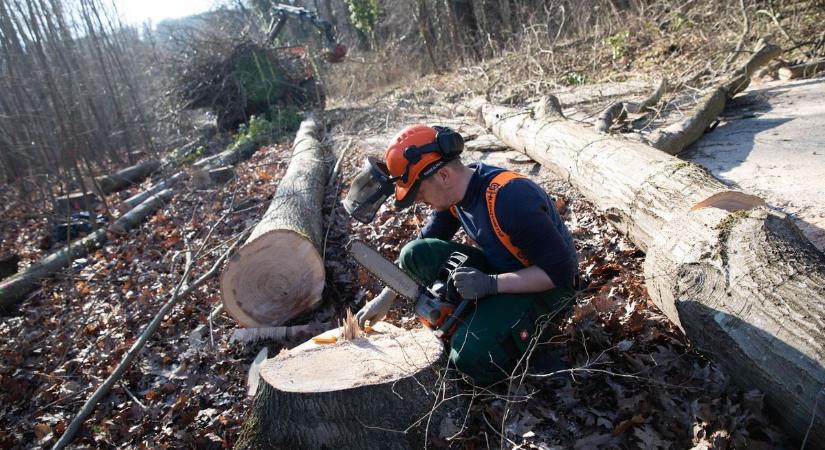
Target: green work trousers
[(492, 337)]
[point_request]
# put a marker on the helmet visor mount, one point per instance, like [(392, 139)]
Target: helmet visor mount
[(369, 190)]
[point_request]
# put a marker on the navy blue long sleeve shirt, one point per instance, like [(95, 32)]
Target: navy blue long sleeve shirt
[(525, 212)]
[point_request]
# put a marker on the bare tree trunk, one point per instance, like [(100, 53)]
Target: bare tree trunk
[(279, 272), (743, 284)]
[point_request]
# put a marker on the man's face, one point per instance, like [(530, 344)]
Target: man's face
[(433, 192)]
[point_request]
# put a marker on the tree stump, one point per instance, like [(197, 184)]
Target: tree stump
[(376, 391), (279, 272)]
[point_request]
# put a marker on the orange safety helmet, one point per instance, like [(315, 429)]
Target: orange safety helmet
[(417, 152)]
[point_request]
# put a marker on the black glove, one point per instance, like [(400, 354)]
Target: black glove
[(474, 284)]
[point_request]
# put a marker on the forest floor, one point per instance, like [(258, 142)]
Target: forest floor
[(638, 383)]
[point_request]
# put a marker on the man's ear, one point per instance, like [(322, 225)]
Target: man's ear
[(444, 174)]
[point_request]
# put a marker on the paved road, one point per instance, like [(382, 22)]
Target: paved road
[(772, 144)]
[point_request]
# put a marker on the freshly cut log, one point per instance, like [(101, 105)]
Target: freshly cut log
[(126, 177), (15, 288), (676, 137), (279, 272), (744, 284), (140, 197), (802, 70), (375, 391)]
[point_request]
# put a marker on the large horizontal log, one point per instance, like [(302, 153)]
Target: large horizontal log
[(743, 284), (279, 272), (376, 391), (126, 177), (13, 290)]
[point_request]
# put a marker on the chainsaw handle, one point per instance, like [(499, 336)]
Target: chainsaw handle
[(459, 310)]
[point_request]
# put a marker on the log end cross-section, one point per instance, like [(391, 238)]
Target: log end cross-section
[(282, 275), (279, 272), (376, 391)]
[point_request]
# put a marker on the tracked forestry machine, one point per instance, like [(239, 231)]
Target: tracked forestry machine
[(261, 78)]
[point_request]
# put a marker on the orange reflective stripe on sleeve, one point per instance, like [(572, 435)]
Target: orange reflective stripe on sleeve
[(491, 194)]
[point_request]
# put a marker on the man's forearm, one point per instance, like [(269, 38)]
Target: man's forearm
[(528, 280)]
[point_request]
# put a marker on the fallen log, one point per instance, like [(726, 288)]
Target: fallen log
[(676, 137), (743, 284), (106, 184), (136, 215), (13, 289), (167, 183), (279, 272), (376, 391), (802, 70)]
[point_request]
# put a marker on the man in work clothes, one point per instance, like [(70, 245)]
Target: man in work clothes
[(523, 268)]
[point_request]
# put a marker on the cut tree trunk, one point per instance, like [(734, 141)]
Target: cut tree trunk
[(160, 186), (743, 284), (676, 137), (802, 70), (126, 177), (136, 215), (15, 288), (279, 271), (376, 391)]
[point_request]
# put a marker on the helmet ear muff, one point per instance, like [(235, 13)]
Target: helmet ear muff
[(450, 143)]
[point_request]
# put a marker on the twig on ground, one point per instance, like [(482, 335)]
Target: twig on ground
[(181, 290)]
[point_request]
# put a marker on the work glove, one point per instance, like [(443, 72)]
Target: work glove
[(474, 284), (376, 308)]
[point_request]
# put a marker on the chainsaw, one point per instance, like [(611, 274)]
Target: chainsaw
[(437, 306)]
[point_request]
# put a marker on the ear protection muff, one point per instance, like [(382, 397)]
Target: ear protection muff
[(447, 142)]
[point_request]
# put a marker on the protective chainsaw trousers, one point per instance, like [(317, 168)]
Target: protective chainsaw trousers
[(492, 337)]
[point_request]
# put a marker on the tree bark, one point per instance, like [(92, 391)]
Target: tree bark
[(126, 177), (802, 70), (376, 391), (743, 284), (676, 137), (140, 197), (136, 215), (279, 271), (15, 288)]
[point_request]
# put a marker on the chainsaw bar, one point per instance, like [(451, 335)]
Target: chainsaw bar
[(384, 270)]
